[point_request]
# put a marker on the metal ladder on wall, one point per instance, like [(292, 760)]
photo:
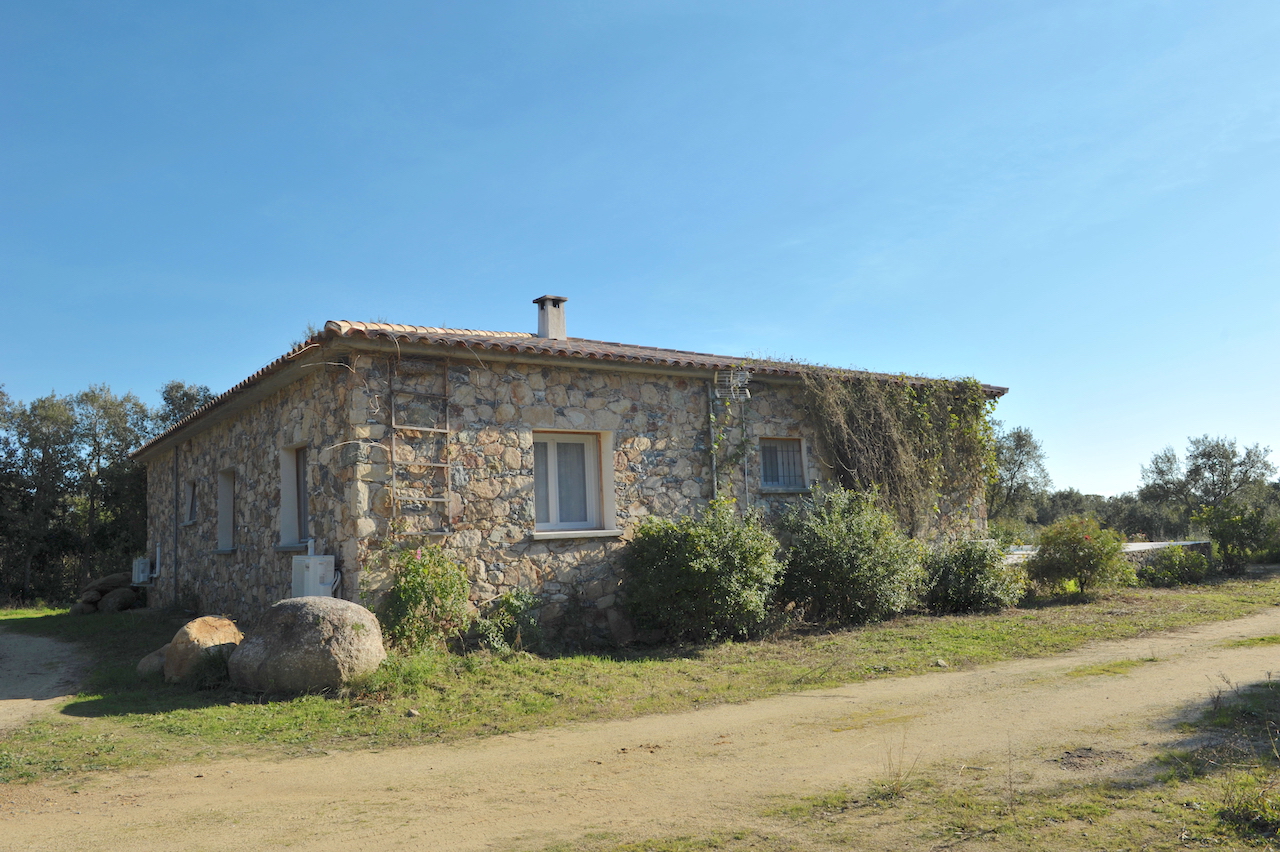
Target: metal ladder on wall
[(423, 500)]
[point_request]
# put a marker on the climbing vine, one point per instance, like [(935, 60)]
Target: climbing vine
[(727, 453), (912, 440)]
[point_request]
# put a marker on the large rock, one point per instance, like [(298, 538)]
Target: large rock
[(152, 665), (118, 600), (306, 645), (102, 585), (82, 609), (210, 634)]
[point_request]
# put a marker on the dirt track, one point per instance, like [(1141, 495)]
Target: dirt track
[(35, 675), (661, 774)]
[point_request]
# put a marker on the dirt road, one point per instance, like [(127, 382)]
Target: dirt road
[(36, 674), (657, 775)]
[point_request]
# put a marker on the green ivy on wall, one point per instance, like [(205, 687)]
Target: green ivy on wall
[(915, 441)]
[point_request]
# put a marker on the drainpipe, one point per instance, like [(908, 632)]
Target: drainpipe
[(176, 498), (711, 439)]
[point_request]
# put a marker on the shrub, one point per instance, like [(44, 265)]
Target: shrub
[(509, 623), (847, 561), (701, 578), (1173, 566), (428, 602), (1237, 531), (1251, 803), (1076, 549), (971, 576)]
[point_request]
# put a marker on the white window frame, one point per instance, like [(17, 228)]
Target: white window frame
[(777, 487), (602, 512), (227, 509), (295, 514)]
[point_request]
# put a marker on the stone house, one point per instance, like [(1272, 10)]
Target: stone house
[(531, 457)]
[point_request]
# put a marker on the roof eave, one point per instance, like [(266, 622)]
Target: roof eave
[(284, 370)]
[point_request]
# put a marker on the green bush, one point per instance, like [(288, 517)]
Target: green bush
[(972, 576), (1075, 549), (1173, 566), (509, 624), (428, 602), (1238, 531), (847, 561), (701, 578)]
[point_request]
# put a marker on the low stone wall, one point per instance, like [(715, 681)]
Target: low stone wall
[(1141, 553)]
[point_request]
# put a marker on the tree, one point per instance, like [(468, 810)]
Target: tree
[(1021, 477), (1215, 471), (41, 460), (72, 502), (1130, 514), (111, 521), (178, 401)]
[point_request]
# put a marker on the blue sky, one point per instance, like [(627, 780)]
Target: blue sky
[(1078, 200)]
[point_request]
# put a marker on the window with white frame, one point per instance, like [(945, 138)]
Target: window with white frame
[(226, 509), (782, 464), (295, 519), (566, 477)]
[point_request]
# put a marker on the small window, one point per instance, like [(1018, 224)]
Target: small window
[(566, 477), (226, 509), (189, 502), (300, 489), (295, 518), (782, 464)]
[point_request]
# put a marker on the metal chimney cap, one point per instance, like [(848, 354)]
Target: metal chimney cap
[(556, 301)]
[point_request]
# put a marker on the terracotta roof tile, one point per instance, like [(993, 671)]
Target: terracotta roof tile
[(524, 343), (516, 343)]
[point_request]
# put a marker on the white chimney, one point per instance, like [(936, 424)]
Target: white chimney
[(551, 317)]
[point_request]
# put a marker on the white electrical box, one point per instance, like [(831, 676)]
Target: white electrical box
[(312, 575), (142, 572)]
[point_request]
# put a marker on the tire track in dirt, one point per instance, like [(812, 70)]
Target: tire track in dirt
[(681, 773)]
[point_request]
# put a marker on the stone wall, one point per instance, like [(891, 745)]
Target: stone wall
[(656, 426), (257, 572), (1140, 554), (412, 448)]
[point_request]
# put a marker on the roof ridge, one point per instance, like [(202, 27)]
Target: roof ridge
[(342, 327), (523, 343)]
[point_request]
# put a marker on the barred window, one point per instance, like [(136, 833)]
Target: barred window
[(781, 463)]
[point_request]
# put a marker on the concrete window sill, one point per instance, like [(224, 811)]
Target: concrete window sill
[(552, 535), (226, 550), (291, 548)]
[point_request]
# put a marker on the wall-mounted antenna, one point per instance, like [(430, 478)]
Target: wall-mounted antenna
[(732, 384)]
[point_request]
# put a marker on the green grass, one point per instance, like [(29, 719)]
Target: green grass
[(118, 721), (1115, 667), (1254, 642)]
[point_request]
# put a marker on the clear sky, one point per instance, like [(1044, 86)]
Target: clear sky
[(1078, 200)]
